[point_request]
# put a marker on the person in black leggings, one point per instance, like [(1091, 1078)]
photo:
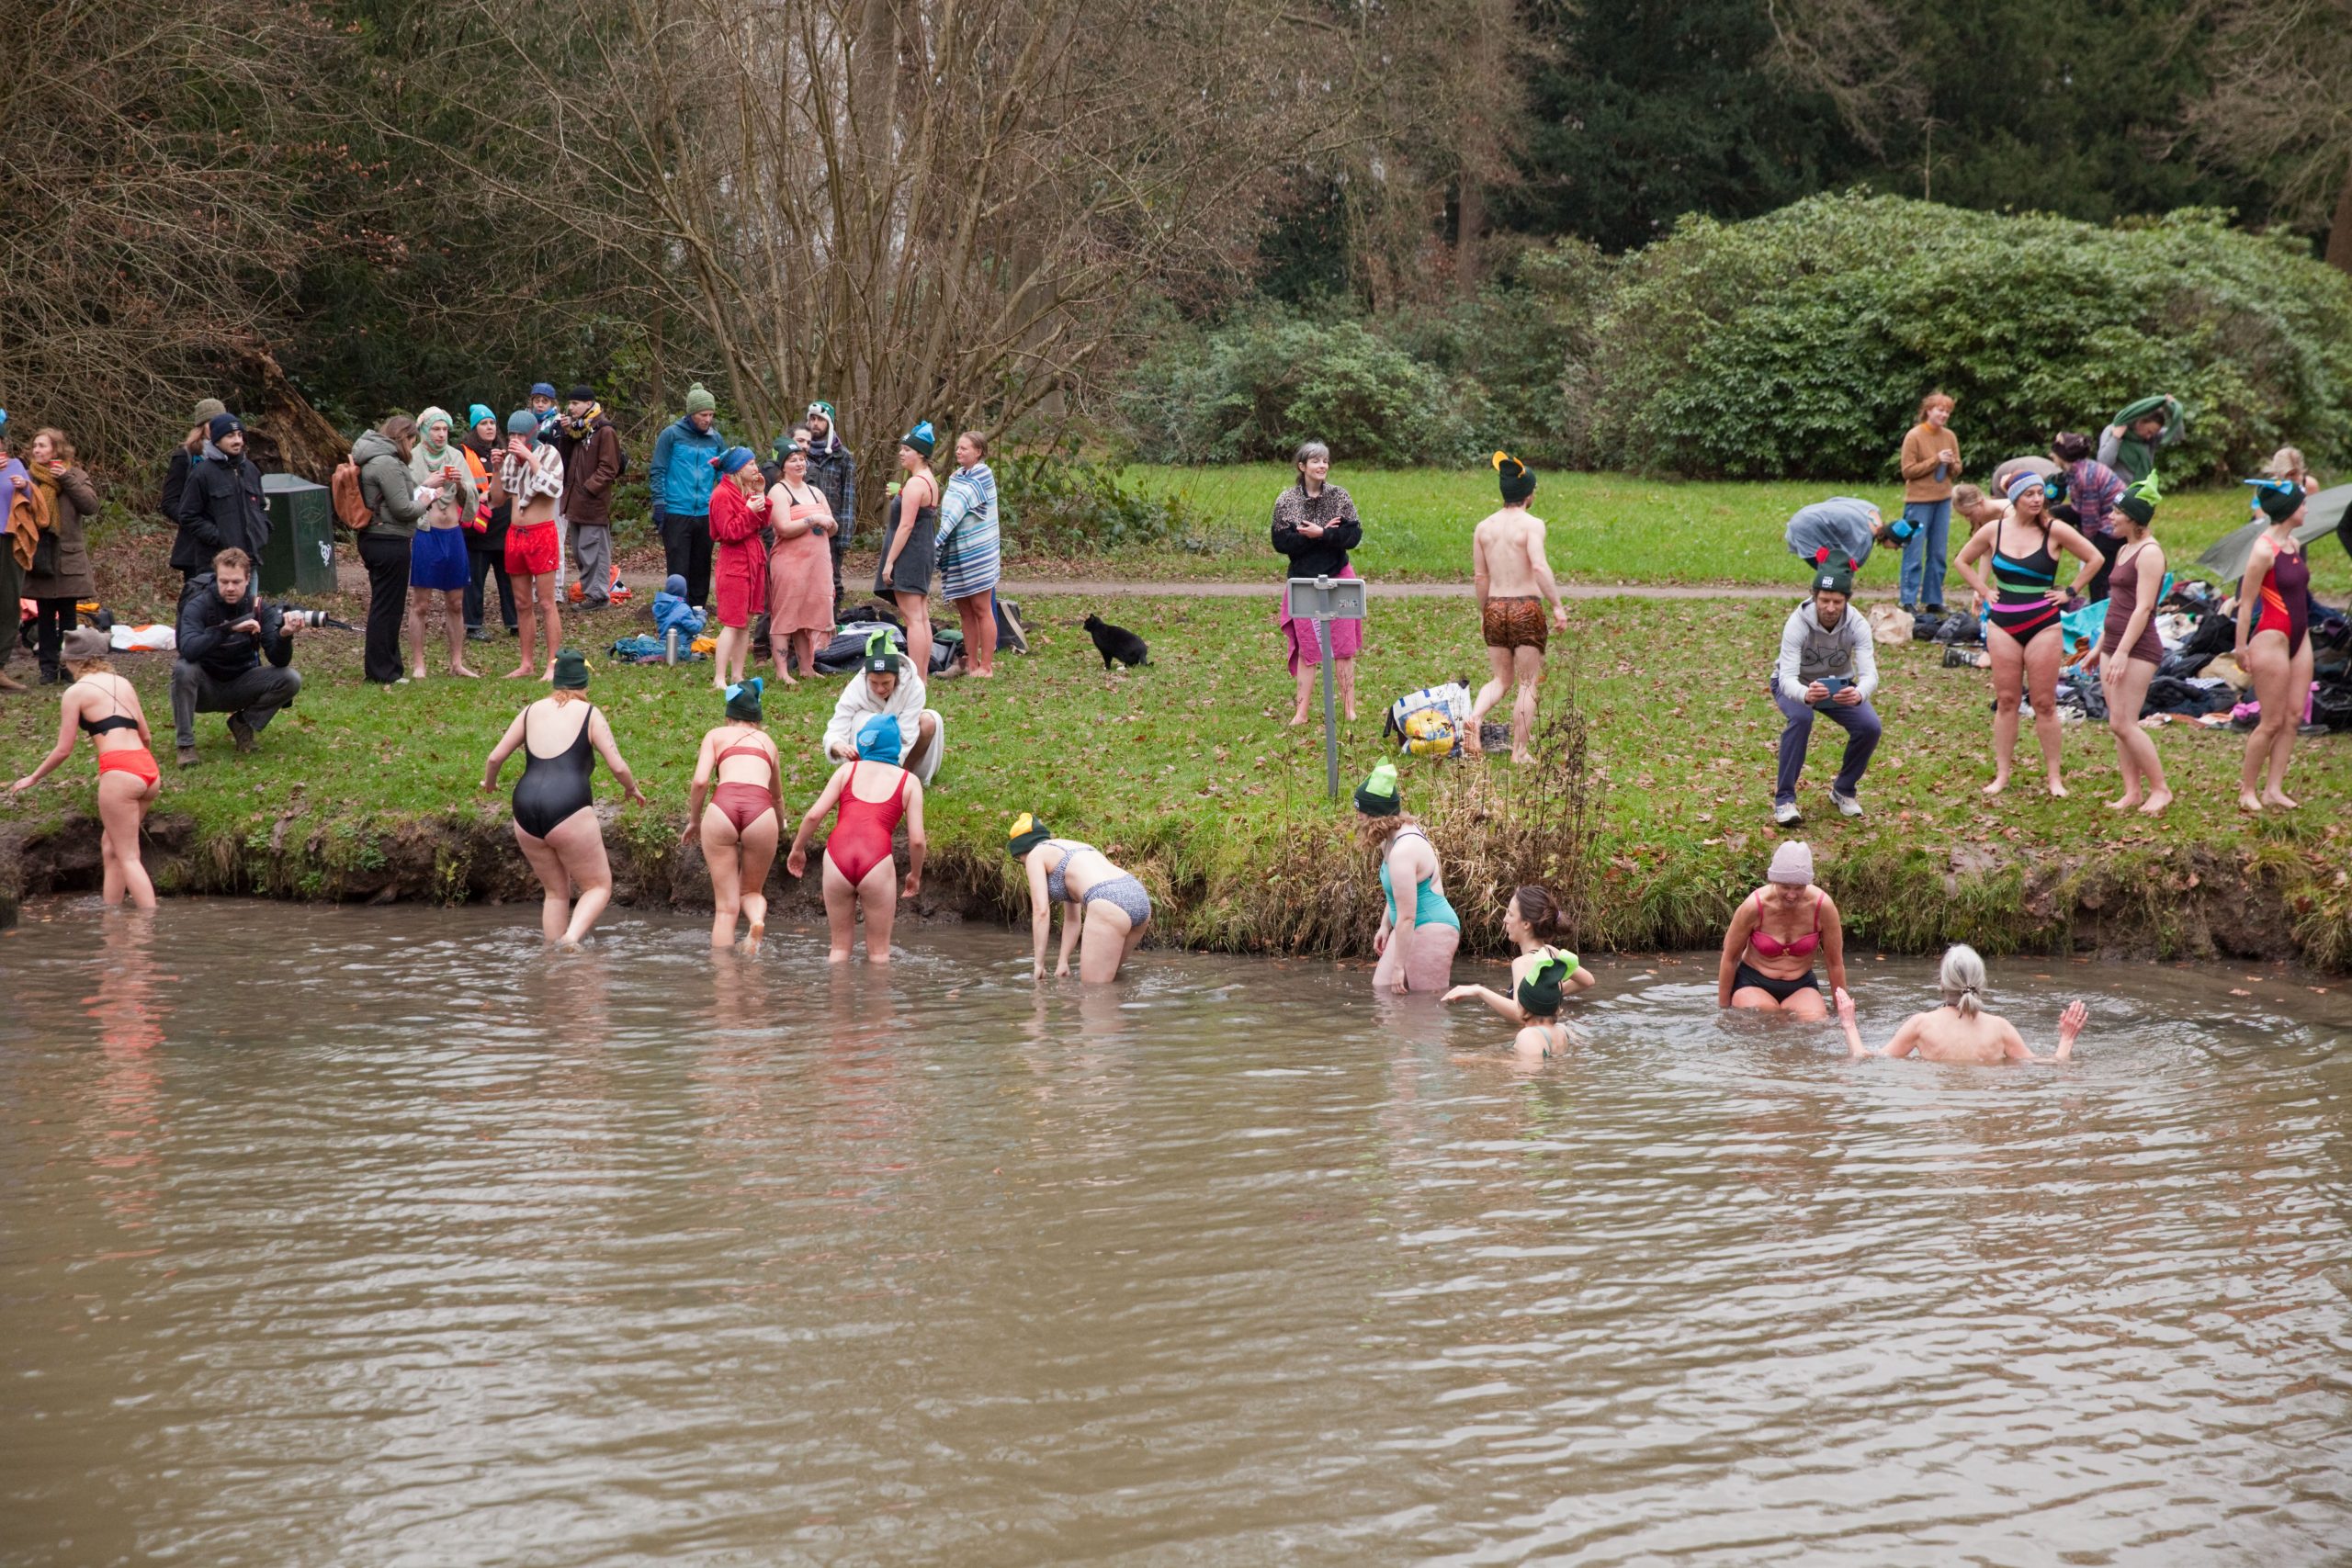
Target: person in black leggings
[(555, 811)]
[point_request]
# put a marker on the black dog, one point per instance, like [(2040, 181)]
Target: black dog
[(1115, 642)]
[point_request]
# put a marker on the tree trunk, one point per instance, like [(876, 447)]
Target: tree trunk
[(1469, 228), (2339, 229)]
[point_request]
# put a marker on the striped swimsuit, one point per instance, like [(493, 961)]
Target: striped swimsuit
[(2021, 588)]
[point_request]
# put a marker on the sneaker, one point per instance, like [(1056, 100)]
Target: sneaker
[(475, 633), (187, 756), (1786, 814), (242, 733), (1846, 804)]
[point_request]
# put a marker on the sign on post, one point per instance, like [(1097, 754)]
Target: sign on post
[(1324, 600)]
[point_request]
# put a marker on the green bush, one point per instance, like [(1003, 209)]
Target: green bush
[(1052, 505), (1800, 342)]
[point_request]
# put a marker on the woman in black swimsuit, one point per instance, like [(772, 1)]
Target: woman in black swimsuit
[(2024, 599), (910, 545), (554, 814)]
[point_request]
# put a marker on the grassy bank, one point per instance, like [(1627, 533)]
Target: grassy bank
[(1186, 770), (1604, 527)]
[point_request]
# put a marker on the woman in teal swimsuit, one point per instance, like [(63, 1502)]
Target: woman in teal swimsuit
[(2024, 600), (1417, 934)]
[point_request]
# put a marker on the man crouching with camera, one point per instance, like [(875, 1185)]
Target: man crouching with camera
[(224, 633)]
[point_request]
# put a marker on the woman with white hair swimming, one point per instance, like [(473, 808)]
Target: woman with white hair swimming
[(1960, 1030)]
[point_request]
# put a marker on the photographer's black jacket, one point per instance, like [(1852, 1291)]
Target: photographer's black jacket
[(206, 641)]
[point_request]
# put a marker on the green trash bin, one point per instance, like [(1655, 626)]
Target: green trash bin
[(300, 557)]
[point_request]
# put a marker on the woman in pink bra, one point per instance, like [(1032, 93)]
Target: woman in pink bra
[(1767, 952)]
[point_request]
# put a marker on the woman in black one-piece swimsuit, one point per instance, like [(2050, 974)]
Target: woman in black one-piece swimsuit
[(555, 813), (911, 549)]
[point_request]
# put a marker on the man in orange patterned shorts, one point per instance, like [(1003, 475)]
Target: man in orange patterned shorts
[(1514, 582)]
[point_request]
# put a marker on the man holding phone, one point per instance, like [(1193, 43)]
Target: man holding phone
[(1828, 667)]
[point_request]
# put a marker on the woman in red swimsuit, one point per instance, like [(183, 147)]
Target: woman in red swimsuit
[(2274, 610), (739, 826), (873, 795), (1768, 953), (104, 705)]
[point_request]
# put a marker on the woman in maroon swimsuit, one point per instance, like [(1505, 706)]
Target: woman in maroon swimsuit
[(1768, 953), (859, 871), (2274, 612), (739, 826), (2129, 651)]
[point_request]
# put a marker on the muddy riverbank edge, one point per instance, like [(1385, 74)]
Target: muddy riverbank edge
[(2278, 901)]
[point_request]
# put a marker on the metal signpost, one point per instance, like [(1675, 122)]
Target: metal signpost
[(1324, 600)]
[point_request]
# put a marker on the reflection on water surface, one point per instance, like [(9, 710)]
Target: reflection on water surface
[(378, 1236)]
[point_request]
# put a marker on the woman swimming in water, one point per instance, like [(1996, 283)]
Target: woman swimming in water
[(1542, 975), (739, 826), (861, 868), (1419, 934), (2025, 639), (1772, 970), (1960, 1030), (103, 705), (555, 811), (2274, 644), (1108, 906)]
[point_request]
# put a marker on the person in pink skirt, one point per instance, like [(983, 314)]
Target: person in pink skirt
[(800, 571), (1315, 525)]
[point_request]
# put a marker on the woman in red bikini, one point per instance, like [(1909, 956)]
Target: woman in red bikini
[(1768, 953), (2274, 611), (859, 872), (739, 826), (103, 704)]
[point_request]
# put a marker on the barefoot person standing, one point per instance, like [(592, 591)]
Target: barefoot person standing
[(2129, 650), (2274, 643), (529, 481), (873, 795), (555, 811), (2024, 599), (1514, 582)]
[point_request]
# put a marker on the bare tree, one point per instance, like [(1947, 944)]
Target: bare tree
[(935, 209), (2281, 105), (1851, 52), (150, 223)]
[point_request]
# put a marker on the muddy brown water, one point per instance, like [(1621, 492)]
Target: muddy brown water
[(378, 1235)]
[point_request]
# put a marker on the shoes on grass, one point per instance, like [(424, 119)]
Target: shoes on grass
[(1786, 814), (1846, 804)]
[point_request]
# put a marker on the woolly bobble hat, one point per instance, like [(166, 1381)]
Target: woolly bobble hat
[(699, 401), (923, 438), (523, 422), (1025, 834), (1377, 796), (1518, 480), (1792, 864), (734, 460), (1833, 576), (476, 413)]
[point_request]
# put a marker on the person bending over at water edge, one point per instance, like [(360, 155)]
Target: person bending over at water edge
[(1542, 975), (1770, 969), (1514, 582), (1960, 1030), (739, 828), (1109, 906), (860, 871), (1418, 933), (1828, 667), (104, 706), (555, 811)]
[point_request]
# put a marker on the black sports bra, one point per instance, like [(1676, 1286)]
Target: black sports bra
[(113, 721)]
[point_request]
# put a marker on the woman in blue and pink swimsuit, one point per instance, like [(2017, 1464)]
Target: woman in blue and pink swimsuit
[(1768, 959), (2024, 600)]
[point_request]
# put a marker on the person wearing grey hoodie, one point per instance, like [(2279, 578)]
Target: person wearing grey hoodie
[(1828, 667), (395, 504)]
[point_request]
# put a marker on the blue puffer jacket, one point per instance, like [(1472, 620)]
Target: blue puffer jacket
[(682, 477)]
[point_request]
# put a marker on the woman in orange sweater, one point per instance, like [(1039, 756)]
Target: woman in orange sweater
[(1931, 465)]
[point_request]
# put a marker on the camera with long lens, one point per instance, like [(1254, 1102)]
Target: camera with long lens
[(307, 619)]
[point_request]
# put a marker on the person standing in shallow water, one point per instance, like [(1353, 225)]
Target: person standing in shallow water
[(739, 828), (104, 706), (1960, 1030), (1768, 953), (1514, 584), (1418, 930), (555, 810), (1316, 526), (873, 795)]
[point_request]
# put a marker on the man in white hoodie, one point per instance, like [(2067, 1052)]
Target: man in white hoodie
[(1826, 667), (886, 683)]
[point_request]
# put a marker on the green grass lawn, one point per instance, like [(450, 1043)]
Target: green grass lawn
[(1187, 768), (1606, 529)]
